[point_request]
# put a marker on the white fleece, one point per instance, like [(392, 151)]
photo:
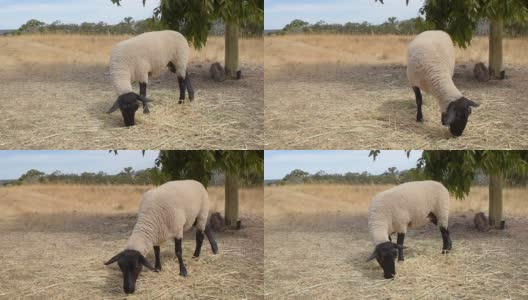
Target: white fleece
[(147, 54), (166, 212), (407, 206), (431, 65)]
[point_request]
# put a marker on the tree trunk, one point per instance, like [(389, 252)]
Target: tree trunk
[(495, 200), (495, 48), (231, 199), (231, 49)]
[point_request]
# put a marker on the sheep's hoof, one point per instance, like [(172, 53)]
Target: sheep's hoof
[(400, 259), (445, 251), (183, 273), (158, 269), (180, 101), (421, 120)]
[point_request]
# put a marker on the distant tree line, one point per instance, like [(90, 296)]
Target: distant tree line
[(391, 26), (150, 176), (127, 26), (391, 176), (127, 176)]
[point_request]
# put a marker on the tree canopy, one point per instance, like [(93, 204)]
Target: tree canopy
[(193, 18)]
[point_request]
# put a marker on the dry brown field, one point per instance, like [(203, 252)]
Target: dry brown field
[(55, 239), (317, 243), (56, 91), (351, 92)]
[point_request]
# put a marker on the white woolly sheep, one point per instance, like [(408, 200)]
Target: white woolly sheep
[(407, 205), (430, 67), (165, 212), (143, 56)]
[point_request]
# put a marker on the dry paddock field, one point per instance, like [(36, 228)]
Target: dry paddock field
[(351, 92), (316, 244), (55, 239), (56, 91)]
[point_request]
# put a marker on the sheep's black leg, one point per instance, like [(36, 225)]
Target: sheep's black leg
[(210, 237), (158, 260), (199, 241), (143, 89), (179, 253), (181, 83), (188, 84), (446, 240), (401, 237), (418, 94)]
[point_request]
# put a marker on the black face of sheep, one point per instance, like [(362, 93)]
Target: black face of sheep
[(457, 115), (131, 263), (385, 254), (128, 104)]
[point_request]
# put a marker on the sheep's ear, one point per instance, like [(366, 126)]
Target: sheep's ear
[(145, 262), (114, 107), (372, 256), (113, 259), (468, 102), (144, 99)]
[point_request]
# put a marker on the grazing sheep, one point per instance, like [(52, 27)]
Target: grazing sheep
[(407, 205), (147, 55), (430, 67), (481, 222), (165, 213)]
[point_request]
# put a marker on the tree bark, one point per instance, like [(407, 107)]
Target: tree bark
[(231, 49), (231, 199), (495, 48), (495, 200)]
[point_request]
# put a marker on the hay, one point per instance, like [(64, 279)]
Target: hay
[(60, 254), (321, 254), (348, 98), (60, 101)]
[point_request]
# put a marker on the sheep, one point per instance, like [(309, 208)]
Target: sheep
[(147, 55), (430, 67), (407, 205), (165, 213)]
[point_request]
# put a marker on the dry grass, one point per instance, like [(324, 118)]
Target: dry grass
[(350, 92), (59, 77), (316, 243), (55, 239)]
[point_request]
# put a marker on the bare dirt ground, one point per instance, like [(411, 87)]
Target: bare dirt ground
[(317, 241), (55, 239), (56, 91), (351, 92)]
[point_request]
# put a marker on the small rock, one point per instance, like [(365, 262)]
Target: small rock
[(481, 222), (217, 72), (481, 72)]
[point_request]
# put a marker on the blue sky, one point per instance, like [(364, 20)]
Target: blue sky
[(15, 163), (14, 13), (278, 163), (278, 13)]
